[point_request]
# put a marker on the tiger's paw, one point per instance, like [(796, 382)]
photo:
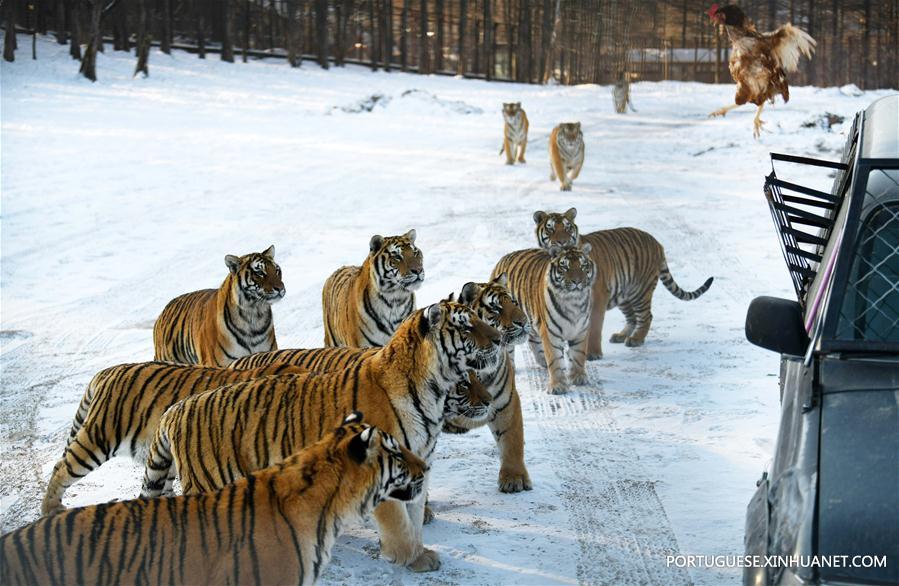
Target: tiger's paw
[(558, 388), (522, 161), (633, 342), (429, 514), (578, 378), (594, 356), (428, 561), (450, 428), (510, 162), (617, 338), (514, 481), (565, 187)]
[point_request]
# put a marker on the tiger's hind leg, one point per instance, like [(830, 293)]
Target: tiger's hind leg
[(597, 317), (629, 327), (159, 474), (642, 311), (80, 457), (536, 346)]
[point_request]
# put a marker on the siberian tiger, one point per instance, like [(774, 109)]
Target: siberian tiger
[(566, 153), (214, 438), (629, 263), (515, 133), (494, 304), (213, 327), (276, 526), (554, 288), (363, 306), (121, 408)]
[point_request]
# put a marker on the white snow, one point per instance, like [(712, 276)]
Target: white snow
[(119, 195)]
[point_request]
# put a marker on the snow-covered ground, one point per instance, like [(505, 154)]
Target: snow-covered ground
[(119, 195)]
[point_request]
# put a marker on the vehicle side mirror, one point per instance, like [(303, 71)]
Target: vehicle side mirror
[(776, 324)]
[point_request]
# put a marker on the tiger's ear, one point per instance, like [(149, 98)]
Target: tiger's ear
[(469, 292), (410, 235), (232, 262), (431, 318), (269, 252), (571, 214), (354, 417), (376, 242), (360, 444), (586, 247), (502, 279), (518, 104), (578, 124), (538, 216)]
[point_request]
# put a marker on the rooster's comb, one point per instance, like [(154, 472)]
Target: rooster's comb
[(713, 10)]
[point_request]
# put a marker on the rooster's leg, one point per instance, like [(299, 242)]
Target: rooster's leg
[(757, 123), (723, 111)]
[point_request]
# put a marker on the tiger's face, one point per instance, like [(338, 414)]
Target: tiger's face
[(556, 230), (468, 400), (494, 304), (572, 269), (511, 111), (570, 132), (258, 275), (396, 262), (398, 473), (462, 339)]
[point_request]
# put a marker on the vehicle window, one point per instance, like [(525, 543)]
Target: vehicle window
[(870, 309)]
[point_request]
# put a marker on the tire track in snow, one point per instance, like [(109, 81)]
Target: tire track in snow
[(623, 532)]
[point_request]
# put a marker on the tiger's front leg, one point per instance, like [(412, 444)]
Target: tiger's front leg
[(400, 528), (507, 427), (522, 147), (577, 356), (510, 150), (536, 346), (555, 361)]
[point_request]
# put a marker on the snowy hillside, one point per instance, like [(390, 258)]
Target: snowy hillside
[(119, 195)]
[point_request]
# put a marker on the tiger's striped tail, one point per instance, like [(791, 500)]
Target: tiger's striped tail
[(83, 408), (160, 469), (670, 284)]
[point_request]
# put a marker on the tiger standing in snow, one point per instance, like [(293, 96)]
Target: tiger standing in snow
[(566, 153), (215, 327), (515, 133), (362, 306), (629, 263)]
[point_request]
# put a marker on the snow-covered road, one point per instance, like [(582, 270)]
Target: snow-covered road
[(119, 195)]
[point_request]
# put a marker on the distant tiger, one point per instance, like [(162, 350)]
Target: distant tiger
[(566, 153), (276, 526), (121, 409), (216, 437), (515, 133), (554, 288), (214, 327), (363, 306), (629, 263)]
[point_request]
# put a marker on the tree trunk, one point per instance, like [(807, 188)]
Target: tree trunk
[(553, 38), (75, 39), (59, 15), (144, 37), (488, 40), (89, 61), (441, 39), (321, 31), (424, 57), (866, 47), (463, 24), (121, 40), (165, 36), (228, 31), (9, 39), (200, 14), (293, 57), (246, 30), (374, 45), (387, 31), (404, 36)]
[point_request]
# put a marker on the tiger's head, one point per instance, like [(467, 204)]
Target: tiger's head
[(570, 132), (372, 460), (468, 402), (463, 341), (511, 111), (556, 230), (258, 276), (494, 304), (571, 268), (396, 263)]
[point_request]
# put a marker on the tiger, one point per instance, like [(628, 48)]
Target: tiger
[(363, 306), (554, 288), (494, 303), (216, 437), (515, 133), (566, 153), (121, 408), (213, 327), (275, 526), (629, 264)]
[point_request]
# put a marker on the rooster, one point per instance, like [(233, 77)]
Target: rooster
[(759, 62)]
